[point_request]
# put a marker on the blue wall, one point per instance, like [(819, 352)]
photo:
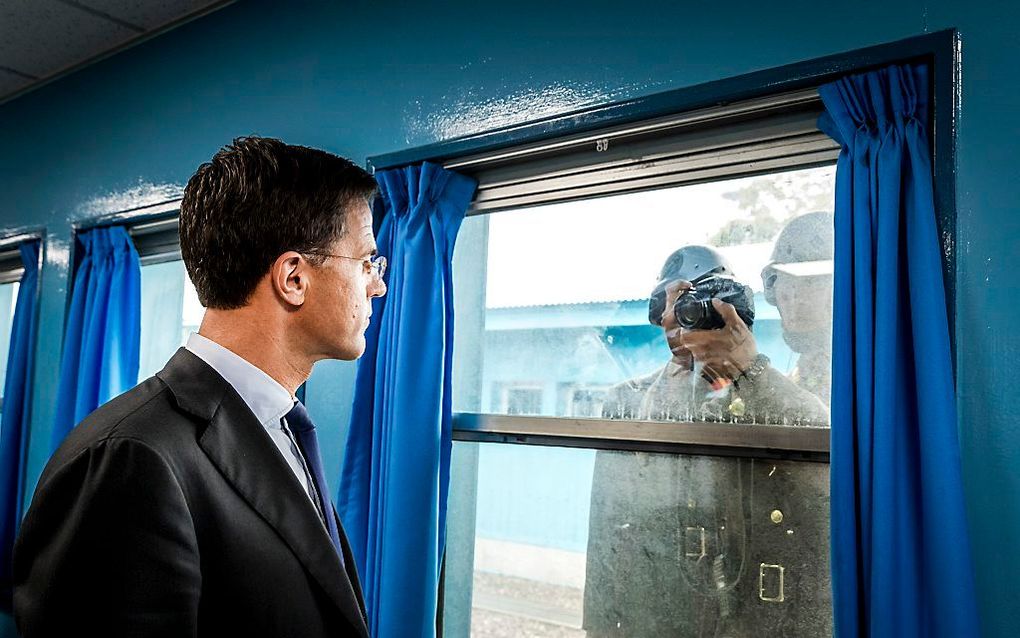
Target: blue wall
[(361, 79)]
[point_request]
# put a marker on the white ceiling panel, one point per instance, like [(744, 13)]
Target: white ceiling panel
[(149, 14), (11, 83), (42, 37)]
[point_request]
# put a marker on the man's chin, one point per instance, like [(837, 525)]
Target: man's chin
[(353, 355), (349, 351)]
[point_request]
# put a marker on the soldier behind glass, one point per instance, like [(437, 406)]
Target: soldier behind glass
[(798, 282), (676, 542)]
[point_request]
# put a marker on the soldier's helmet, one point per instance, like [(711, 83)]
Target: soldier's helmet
[(690, 263), (804, 248)]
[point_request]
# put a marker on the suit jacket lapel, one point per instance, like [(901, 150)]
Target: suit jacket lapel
[(238, 445)]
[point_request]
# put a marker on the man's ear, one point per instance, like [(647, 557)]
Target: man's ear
[(289, 277)]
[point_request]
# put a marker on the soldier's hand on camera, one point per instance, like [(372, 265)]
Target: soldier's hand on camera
[(725, 352)]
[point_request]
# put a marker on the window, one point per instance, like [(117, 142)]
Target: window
[(8, 300), (583, 400), (10, 276), (170, 307), (569, 541), (606, 482), (170, 313), (572, 302), (518, 398)]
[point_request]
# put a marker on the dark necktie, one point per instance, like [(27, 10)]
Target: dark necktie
[(304, 432)]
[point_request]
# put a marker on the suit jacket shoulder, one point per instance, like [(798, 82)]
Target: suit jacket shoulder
[(145, 414)]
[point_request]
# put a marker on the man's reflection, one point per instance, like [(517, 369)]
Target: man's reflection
[(798, 281), (676, 543)]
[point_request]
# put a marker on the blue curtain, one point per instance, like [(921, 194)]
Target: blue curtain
[(901, 553), (14, 424), (101, 339), (395, 478)]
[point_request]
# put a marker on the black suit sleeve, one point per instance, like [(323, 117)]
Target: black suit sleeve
[(108, 548)]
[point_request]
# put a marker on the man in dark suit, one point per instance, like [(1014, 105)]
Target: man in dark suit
[(195, 504)]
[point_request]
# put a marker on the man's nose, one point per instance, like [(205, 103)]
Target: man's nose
[(377, 288)]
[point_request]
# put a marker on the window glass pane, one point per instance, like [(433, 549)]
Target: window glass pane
[(8, 301), (569, 297), (573, 542), (170, 312)]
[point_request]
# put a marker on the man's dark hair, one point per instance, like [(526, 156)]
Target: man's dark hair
[(257, 199)]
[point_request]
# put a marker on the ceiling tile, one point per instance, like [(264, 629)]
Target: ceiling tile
[(42, 37), (11, 83), (150, 14)]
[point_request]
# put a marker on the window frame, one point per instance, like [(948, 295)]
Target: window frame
[(153, 228), (781, 442), (11, 268), (157, 241), (742, 139)]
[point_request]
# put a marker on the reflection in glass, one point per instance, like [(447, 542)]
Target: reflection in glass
[(573, 327), (574, 543)]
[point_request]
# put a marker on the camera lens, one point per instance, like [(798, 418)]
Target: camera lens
[(692, 314), (694, 310)]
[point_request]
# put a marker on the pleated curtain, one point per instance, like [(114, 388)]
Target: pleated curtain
[(395, 478), (901, 555)]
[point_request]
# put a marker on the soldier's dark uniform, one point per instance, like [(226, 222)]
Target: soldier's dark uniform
[(708, 546), (814, 373)]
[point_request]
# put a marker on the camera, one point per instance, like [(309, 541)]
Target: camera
[(694, 310)]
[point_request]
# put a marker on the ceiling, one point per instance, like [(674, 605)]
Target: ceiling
[(41, 40)]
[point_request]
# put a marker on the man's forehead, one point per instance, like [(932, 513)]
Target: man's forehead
[(367, 234), (358, 221), (358, 239), (358, 212), (355, 242)]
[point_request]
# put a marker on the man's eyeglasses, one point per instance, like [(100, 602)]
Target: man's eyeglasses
[(374, 265)]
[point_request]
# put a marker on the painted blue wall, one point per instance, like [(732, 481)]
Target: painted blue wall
[(361, 79)]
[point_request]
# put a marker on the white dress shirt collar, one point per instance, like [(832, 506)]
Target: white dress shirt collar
[(266, 398)]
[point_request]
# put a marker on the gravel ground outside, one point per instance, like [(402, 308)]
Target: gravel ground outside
[(491, 624), (508, 607)]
